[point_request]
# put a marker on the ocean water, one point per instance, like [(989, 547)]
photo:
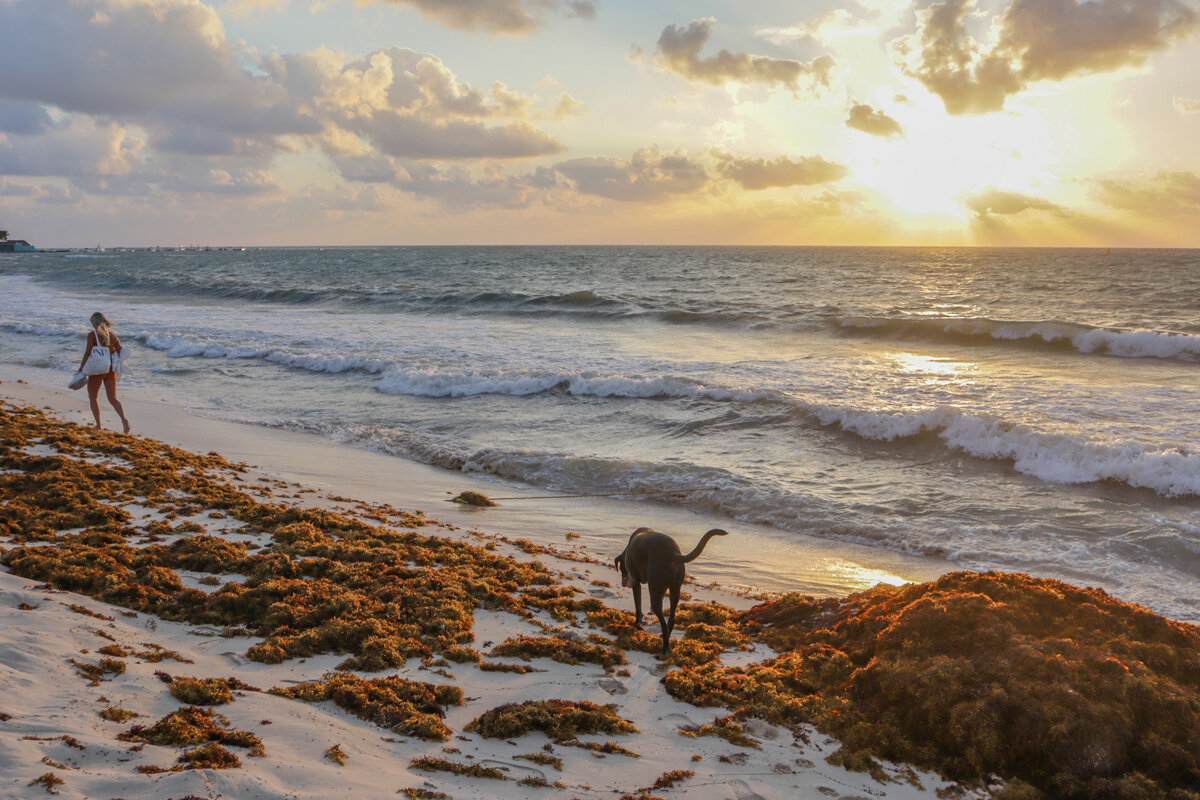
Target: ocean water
[(1018, 409)]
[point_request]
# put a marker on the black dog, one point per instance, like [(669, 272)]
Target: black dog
[(654, 559)]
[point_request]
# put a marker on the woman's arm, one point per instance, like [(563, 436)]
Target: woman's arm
[(87, 349), (115, 342)]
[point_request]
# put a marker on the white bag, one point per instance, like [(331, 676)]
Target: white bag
[(99, 361), (118, 362)]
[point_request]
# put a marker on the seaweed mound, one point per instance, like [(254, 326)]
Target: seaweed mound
[(560, 650), (1067, 690), (406, 707), (561, 720), (191, 726), (475, 499)]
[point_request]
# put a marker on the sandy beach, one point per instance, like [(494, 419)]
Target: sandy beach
[(53, 724), (303, 624)]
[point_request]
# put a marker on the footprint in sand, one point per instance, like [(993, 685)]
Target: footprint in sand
[(742, 791)]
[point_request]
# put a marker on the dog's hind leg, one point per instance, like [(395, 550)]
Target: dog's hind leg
[(656, 605), (674, 605)]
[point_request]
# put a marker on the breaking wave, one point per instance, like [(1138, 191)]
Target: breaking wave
[(1049, 333)]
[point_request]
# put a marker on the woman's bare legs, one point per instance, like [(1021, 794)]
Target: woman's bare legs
[(94, 382), (110, 389)]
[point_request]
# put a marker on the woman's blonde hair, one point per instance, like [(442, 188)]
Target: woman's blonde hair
[(102, 327)]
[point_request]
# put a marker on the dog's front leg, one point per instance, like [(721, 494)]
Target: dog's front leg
[(637, 605)]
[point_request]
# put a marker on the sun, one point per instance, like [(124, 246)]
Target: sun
[(941, 160)]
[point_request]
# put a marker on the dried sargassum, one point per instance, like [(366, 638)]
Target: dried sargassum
[(188, 726), (561, 650), (1056, 689), (407, 707), (561, 720)]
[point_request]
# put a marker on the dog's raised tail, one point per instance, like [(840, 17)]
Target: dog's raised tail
[(692, 556)]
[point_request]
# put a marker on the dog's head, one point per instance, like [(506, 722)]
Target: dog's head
[(626, 581)]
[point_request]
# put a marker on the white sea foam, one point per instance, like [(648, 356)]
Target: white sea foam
[(1051, 457), (1138, 344), (1082, 338), (1054, 458)]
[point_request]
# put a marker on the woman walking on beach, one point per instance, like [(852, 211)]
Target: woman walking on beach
[(101, 335)]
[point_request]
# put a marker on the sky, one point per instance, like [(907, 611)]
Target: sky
[(763, 122)]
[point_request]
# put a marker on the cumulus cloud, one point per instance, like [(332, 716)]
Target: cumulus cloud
[(1171, 193), (154, 60), (832, 25), (410, 105), (650, 175), (165, 69), (679, 52), (1185, 105), (760, 173), (995, 201), (1031, 41), (79, 147), (863, 117), (507, 17), (245, 8), (568, 108)]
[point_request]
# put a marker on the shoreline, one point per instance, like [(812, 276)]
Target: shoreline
[(143, 582), (88, 679), (760, 561)]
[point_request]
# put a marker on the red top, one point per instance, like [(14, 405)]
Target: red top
[(113, 342)]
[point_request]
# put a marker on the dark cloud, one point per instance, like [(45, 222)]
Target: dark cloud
[(759, 173), (24, 118), (999, 202), (17, 189), (649, 176), (368, 168), (165, 62), (679, 52), (507, 17), (1163, 194), (460, 188), (409, 137), (1035, 40), (866, 119)]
